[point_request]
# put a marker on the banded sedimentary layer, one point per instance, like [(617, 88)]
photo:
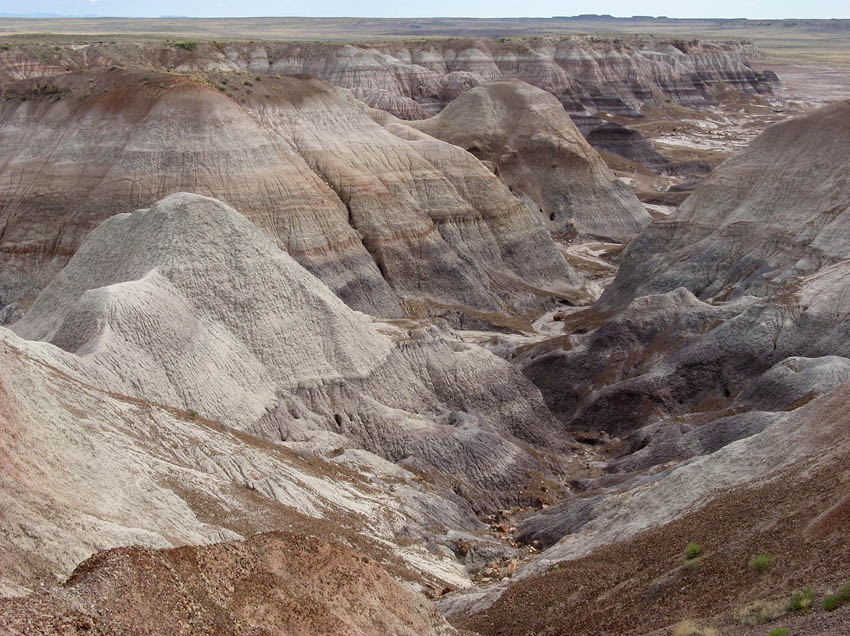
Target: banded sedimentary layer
[(413, 79), (179, 341), (526, 134), (388, 223)]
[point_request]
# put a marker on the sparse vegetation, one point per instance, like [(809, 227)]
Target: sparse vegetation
[(759, 612), (834, 601), (689, 628), (760, 562), (187, 45), (692, 551), (778, 631), (247, 83), (192, 413), (801, 601)]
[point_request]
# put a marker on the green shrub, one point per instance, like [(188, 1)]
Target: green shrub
[(693, 550), (802, 601), (247, 83), (186, 46), (761, 562), (192, 413), (834, 601), (778, 631)]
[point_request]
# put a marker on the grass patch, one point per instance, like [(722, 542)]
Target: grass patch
[(760, 563), (801, 601), (833, 601), (778, 631), (186, 46), (692, 551)]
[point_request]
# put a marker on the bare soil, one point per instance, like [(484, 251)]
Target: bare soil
[(644, 585), (277, 583)]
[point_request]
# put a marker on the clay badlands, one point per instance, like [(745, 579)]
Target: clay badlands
[(466, 335)]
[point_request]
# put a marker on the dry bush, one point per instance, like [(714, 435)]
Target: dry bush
[(759, 612), (689, 628)]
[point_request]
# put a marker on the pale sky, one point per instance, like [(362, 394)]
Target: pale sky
[(443, 8)]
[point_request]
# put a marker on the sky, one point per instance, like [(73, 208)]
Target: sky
[(758, 9)]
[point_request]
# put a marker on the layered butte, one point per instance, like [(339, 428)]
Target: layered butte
[(532, 141), (389, 223), (416, 79)]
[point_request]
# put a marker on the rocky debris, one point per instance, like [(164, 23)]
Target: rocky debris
[(799, 448), (639, 583), (277, 583), (392, 226), (542, 157), (617, 373), (688, 169)]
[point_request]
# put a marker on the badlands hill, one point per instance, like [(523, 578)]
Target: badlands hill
[(180, 340), (189, 304), (747, 273), (393, 225), (230, 302), (722, 414), (769, 216), (526, 133)]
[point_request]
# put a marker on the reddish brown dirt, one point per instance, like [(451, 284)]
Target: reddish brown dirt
[(642, 585), (277, 583)]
